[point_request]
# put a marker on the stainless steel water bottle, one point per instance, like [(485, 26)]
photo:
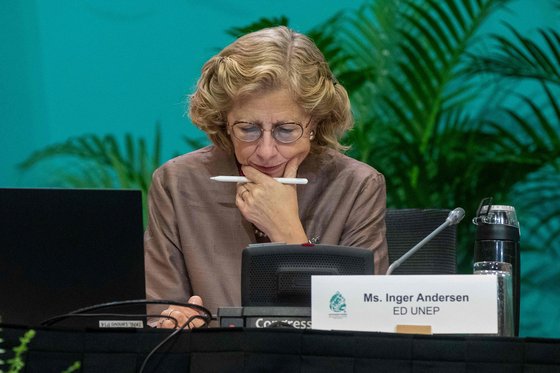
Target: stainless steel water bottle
[(497, 240)]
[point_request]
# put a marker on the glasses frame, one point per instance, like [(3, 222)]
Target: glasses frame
[(270, 130)]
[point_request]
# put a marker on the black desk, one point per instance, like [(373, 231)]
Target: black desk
[(281, 350)]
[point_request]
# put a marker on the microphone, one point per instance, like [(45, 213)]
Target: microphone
[(453, 218)]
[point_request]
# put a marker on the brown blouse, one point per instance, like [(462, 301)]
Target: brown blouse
[(196, 233)]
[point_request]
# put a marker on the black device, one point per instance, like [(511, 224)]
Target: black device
[(65, 249), (276, 281)]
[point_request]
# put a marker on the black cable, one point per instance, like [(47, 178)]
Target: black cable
[(168, 338), (53, 320)]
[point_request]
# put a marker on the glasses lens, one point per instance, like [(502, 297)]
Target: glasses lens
[(287, 132), (246, 131)]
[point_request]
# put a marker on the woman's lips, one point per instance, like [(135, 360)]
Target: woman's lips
[(267, 169)]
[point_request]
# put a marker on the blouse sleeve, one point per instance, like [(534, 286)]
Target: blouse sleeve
[(166, 274), (365, 226)]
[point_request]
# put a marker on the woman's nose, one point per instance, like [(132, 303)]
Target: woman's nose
[(266, 147)]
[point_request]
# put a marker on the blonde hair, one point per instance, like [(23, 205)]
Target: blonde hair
[(266, 60)]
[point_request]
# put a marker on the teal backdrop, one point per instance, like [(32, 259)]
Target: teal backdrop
[(74, 67), (69, 68)]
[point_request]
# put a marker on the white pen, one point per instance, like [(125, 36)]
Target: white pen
[(243, 179)]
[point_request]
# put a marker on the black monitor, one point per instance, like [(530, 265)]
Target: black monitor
[(279, 275), (64, 249)]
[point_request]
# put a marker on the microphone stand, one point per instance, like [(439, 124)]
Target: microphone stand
[(453, 218)]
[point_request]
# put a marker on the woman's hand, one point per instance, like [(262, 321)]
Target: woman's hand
[(182, 314), (271, 206)]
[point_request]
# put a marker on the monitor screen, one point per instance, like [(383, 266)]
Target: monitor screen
[(64, 249), (279, 275)]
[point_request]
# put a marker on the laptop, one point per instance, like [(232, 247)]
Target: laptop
[(66, 249)]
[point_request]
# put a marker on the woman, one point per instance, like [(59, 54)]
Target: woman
[(272, 108)]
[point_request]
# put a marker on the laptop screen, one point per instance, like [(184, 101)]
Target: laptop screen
[(64, 249)]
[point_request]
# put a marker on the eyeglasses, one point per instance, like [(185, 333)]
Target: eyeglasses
[(285, 133)]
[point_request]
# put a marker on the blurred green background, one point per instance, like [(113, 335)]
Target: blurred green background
[(454, 100)]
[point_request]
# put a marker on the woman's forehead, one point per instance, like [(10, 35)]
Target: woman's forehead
[(272, 106)]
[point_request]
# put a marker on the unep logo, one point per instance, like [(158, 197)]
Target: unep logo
[(338, 303)]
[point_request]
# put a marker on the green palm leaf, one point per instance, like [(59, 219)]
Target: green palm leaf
[(101, 162), (425, 70), (535, 141), (412, 119), (523, 57), (407, 68)]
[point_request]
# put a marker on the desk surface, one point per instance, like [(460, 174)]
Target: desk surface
[(280, 350)]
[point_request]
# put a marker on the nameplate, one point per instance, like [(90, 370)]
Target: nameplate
[(121, 324), (447, 304)]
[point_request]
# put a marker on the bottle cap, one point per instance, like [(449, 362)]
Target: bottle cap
[(497, 214)]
